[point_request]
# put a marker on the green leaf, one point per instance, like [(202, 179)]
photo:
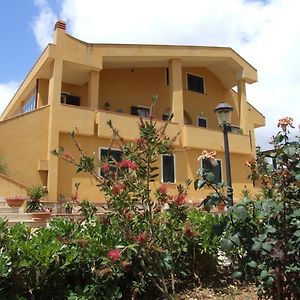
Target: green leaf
[(252, 264), (264, 274), (289, 150), (297, 177), (226, 244), (198, 184), (267, 247), (236, 239), (237, 274), (241, 212), (256, 246), (209, 177), (297, 233), (270, 281)]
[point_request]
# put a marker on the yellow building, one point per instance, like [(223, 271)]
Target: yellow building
[(80, 85)]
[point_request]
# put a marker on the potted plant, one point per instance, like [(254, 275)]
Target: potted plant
[(69, 206), (34, 204), (15, 201)]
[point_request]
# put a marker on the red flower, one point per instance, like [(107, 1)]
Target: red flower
[(117, 188), (163, 189), (141, 238), (105, 167), (114, 255), (180, 199), (127, 163), (129, 215)]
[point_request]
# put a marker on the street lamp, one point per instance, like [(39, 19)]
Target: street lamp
[(223, 111)]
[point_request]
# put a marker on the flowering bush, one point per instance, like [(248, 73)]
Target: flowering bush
[(263, 235)]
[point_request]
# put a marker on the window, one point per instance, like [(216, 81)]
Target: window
[(69, 99), (110, 153), (208, 167), (235, 129), (30, 104), (195, 83), (202, 122), (140, 111), (167, 76), (168, 168)]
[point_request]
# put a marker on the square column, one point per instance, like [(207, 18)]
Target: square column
[(93, 89), (175, 90), (53, 131), (243, 105)]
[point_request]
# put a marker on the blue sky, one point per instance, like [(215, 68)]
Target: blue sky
[(265, 33)]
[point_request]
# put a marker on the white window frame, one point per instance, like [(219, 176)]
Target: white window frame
[(237, 128), (221, 167), (197, 75), (200, 117), (162, 167)]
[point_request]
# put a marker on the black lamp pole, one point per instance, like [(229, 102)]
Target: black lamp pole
[(226, 128), (224, 111)]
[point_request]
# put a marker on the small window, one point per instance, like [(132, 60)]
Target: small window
[(202, 122), (30, 104), (195, 83), (69, 99), (140, 111), (105, 153), (168, 168), (235, 129), (167, 76), (208, 167)]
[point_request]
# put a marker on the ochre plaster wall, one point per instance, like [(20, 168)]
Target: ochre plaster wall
[(24, 142), (186, 164)]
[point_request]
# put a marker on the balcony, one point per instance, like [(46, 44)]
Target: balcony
[(204, 138), (128, 126)]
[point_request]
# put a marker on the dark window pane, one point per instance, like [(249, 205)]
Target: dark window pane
[(168, 168), (216, 170), (140, 111), (195, 83), (202, 122), (73, 100), (167, 76)]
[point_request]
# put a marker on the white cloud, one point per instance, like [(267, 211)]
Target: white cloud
[(7, 90), (265, 33), (43, 24)]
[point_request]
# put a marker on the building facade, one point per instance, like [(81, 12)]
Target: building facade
[(77, 85)]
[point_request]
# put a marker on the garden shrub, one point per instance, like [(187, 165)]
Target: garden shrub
[(263, 236), (149, 242)]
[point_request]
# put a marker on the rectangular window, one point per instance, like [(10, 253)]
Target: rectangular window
[(107, 153), (168, 168), (140, 111), (202, 122), (235, 129), (195, 83), (30, 104), (208, 167), (167, 76), (69, 99)]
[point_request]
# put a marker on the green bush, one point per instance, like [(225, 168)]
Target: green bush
[(263, 236)]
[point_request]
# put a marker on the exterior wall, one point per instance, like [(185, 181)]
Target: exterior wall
[(10, 187), (42, 97), (123, 88), (24, 143), (186, 165)]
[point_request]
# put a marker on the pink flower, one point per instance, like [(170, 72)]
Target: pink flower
[(141, 238), (180, 199), (105, 167), (127, 163), (114, 255), (285, 122), (67, 156), (117, 188), (163, 189)]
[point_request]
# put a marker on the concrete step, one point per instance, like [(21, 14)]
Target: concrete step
[(16, 216), (2, 203), (7, 209), (29, 223)]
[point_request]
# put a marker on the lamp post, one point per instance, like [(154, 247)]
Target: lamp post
[(223, 111)]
